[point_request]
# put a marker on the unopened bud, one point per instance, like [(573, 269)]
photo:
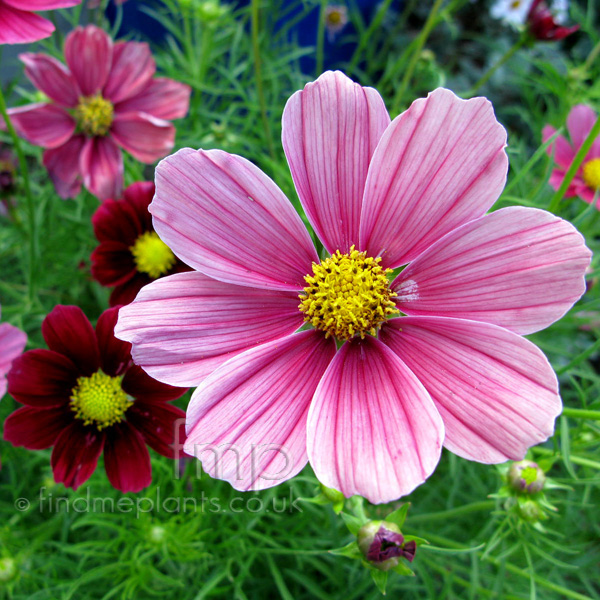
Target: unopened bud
[(526, 476), (382, 544)]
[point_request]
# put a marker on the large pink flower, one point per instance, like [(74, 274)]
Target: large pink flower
[(12, 344), (19, 24), (107, 98), (586, 183), (372, 411)]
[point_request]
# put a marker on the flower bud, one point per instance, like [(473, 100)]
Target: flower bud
[(526, 476), (530, 510), (382, 544)]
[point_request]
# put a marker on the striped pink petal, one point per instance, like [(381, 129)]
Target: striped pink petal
[(131, 71), (495, 390), (224, 217), (162, 98), (247, 422), (143, 136), (44, 125), (184, 326), (12, 344), (21, 26), (580, 121), (63, 166), (373, 430), (41, 4), (101, 166), (438, 165), (520, 268), (330, 131), (88, 52), (51, 77)]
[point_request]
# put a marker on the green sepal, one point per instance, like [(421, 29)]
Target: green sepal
[(380, 578), (402, 569), (414, 538), (352, 523), (398, 516), (350, 550)]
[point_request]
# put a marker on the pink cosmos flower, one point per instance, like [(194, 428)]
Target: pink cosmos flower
[(107, 98), (19, 24), (12, 344), (586, 183), (434, 357)]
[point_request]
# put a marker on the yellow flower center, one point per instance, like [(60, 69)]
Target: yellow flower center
[(94, 115), (591, 173), (152, 255), (99, 400), (334, 17), (348, 295)]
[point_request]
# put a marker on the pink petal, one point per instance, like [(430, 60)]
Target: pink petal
[(439, 164), (132, 69), (101, 166), (162, 98), (560, 148), (143, 136), (51, 77), (495, 390), (330, 131), (247, 422), (372, 427), (580, 121), (88, 52), (21, 27), (224, 217), (43, 125), (520, 268), (186, 325), (41, 4), (12, 344), (63, 166)]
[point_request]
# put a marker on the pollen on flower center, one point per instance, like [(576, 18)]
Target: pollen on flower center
[(348, 295), (99, 400), (591, 173), (94, 115), (152, 255)]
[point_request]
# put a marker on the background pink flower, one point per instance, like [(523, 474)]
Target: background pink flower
[(371, 412), (19, 24), (12, 344), (105, 100), (586, 183)]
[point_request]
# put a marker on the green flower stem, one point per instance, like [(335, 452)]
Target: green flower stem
[(30, 204), (320, 50), (588, 351), (507, 56), (577, 460), (580, 413), (592, 56), (429, 25), (574, 167), (502, 564), (485, 505), (255, 9)]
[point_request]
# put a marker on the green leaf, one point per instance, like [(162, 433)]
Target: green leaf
[(352, 523), (380, 578), (399, 516), (350, 550), (402, 569)]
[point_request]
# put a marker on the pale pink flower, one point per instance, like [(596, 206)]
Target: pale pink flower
[(20, 25), (105, 100), (372, 412), (586, 183), (12, 344)]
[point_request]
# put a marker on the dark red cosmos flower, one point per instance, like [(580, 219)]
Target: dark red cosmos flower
[(130, 254), (84, 396), (543, 24), (389, 544)]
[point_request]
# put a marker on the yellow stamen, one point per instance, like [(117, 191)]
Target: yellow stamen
[(591, 173), (99, 400), (348, 295), (152, 255), (94, 115)]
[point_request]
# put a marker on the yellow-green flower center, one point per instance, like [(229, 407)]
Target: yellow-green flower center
[(348, 295), (591, 173), (152, 255), (99, 400), (94, 115)]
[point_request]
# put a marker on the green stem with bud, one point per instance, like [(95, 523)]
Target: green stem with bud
[(581, 413), (507, 56), (571, 172), (30, 203)]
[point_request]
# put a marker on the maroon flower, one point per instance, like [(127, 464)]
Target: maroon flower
[(130, 254), (382, 544), (543, 24), (84, 396)]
